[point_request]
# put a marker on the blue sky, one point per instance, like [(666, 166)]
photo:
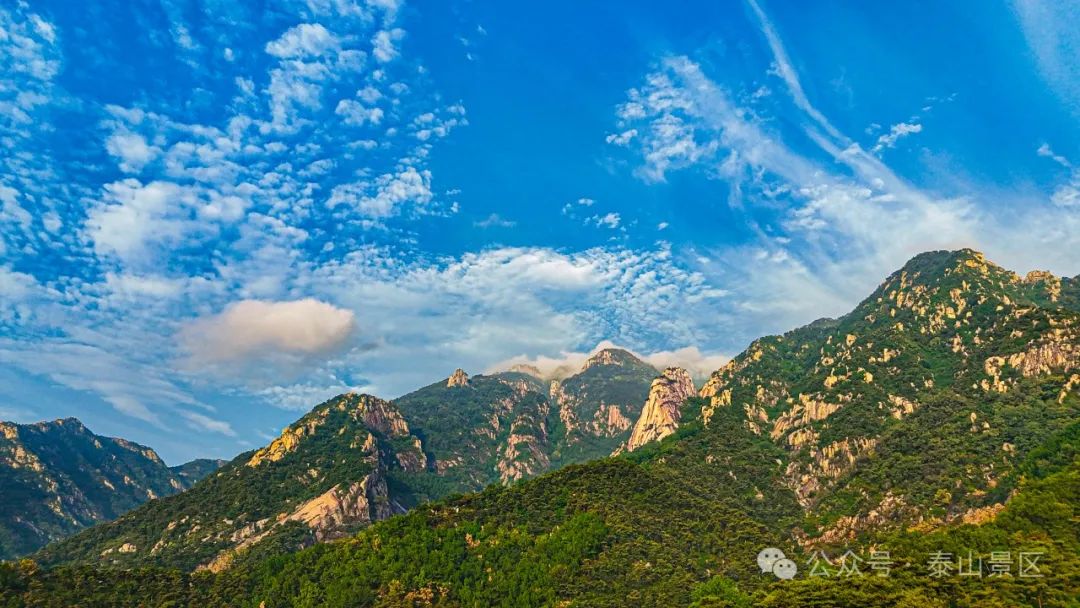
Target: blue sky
[(213, 215)]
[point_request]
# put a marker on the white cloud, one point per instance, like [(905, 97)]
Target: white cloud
[(356, 114), (1066, 195), (132, 151), (10, 209), (492, 305), (384, 43), (132, 214), (831, 222), (28, 49), (896, 132), (15, 286), (662, 226), (304, 40), (225, 211), (1047, 152), (201, 422), (309, 57), (256, 330), (609, 220), (786, 71), (130, 386), (1050, 29), (135, 286), (495, 221), (569, 208), (385, 195), (690, 358), (621, 139), (301, 397)]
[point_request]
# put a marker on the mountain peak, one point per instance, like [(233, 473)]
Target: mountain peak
[(611, 356), (458, 378)]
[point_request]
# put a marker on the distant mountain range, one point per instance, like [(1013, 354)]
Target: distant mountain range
[(58, 477), (941, 414), (357, 459)]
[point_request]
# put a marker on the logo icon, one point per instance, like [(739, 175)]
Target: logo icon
[(771, 559)]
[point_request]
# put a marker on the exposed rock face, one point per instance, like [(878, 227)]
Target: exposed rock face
[(523, 456), (345, 506), (285, 444), (458, 378), (805, 411), (380, 416), (660, 416), (333, 514), (59, 477), (608, 356), (609, 420)]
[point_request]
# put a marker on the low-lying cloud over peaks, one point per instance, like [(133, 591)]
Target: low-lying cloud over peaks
[(568, 363), (253, 330)]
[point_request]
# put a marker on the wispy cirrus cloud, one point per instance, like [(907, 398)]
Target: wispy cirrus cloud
[(830, 221), (895, 134), (1053, 39)]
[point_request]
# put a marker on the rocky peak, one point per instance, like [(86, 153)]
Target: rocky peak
[(70, 423), (458, 378), (611, 356), (660, 416), (9, 431), (381, 416)]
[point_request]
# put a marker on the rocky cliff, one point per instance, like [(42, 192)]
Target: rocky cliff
[(660, 416)]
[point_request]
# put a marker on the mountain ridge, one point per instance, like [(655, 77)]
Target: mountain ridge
[(357, 458), (60, 477), (945, 406)]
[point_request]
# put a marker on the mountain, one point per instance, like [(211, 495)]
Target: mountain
[(325, 476), (597, 407), (924, 413), (58, 477), (941, 415), (513, 425), (356, 459), (918, 405), (191, 472)]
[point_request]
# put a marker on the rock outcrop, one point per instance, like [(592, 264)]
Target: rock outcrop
[(458, 378), (345, 506), (660, 416), (610, 356)]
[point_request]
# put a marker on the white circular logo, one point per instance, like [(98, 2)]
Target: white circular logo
[(785, 569), (767, 557)]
